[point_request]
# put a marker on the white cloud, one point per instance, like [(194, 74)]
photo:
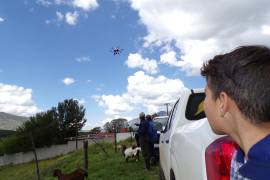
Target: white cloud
[(201, 29), (114, 105), (45, 3), (142, 90), (83, 59), (195, 52), (60, 16), (266, 29), (47, 21), (80, 7), (71, 18), (81, 101), (137, 61), (170, 59), (113, 16), (17, 100), (99, 89), (2, 19), (68, 81), (153, 92), (58, 2), (109, 118), (120, 1), (89, 125), (86, 4)]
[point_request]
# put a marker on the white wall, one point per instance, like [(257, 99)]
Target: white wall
[(123, 136), (43, 153)]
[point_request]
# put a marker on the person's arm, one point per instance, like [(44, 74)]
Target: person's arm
[(140, 129)]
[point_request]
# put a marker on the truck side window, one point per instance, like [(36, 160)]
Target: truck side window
[(194, 110), (171, 117)]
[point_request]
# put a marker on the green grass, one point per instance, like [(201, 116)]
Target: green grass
[(100, 166)]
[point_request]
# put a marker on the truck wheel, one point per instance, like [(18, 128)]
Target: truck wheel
[(161, 174)]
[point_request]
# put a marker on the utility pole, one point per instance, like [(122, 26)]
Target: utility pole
[(35, 154), (115, 142), (76, 135), (167, 104), (85, 147)]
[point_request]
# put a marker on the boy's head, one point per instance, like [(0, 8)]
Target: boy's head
[(244, 75)]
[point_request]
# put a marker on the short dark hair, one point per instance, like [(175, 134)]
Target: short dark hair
[(148, 117), (244, 74)]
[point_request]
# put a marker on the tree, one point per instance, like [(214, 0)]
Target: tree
[(44, 128), (47, 128), (117, 124), (71, 117), (108, 127), (95, 130)]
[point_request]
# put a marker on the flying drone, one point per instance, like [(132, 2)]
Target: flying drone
[(116, 51)]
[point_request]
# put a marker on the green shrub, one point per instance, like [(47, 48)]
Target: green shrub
[(1, 147), (15, 143)]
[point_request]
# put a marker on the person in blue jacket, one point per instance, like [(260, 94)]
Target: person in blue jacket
[(144, 139), (152, 132), (237, 103)]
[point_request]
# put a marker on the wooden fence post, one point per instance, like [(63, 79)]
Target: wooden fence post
[(115, 142), (35, 155), (85, 147), (76, 137)]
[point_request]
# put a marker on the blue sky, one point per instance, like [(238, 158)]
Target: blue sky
[(51, 50)]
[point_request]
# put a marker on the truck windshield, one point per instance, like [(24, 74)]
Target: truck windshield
[(160, 122)]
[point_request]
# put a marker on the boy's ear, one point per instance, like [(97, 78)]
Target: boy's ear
[(223, 105)]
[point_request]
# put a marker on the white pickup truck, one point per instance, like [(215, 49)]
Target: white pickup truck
[(189, 150)]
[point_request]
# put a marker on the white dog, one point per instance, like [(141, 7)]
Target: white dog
[(131, 152)]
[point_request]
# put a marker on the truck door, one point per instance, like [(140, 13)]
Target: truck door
[(164, 143)]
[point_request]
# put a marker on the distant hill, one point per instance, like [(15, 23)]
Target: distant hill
[(11, 122)]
